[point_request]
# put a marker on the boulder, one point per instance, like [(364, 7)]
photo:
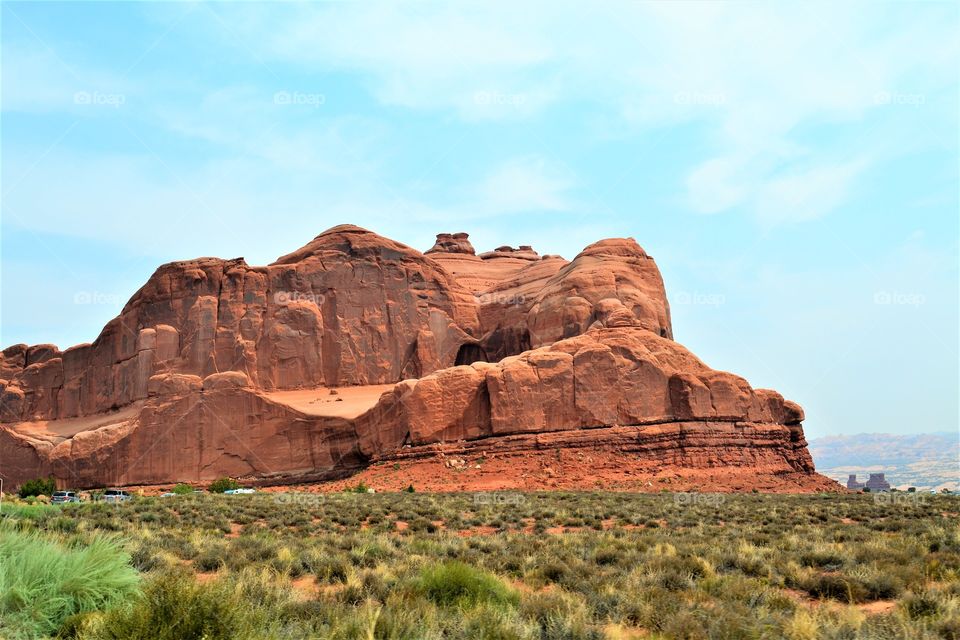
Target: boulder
[(452, 243)]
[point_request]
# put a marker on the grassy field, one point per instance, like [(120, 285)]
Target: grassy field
[(508, 565)]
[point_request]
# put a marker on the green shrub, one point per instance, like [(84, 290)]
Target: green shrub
[(949, 629), (223, 484), (488, 621), (920, 605), (211, 559), (183, 489), (43, 582), (175, 607), (37, 487), (327, 568), (822, 559), (458, 584), (360, 487), (836, 587), (882, 586)]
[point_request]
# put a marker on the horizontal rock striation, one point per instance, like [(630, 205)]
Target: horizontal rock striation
[(605, 378), (217, 368)]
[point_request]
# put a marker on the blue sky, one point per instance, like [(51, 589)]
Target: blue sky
[(792, 167)]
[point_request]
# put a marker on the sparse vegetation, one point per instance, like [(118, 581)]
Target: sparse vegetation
[(535, 565)]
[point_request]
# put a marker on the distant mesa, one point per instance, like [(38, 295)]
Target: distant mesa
[(876, 482), (218, 368)]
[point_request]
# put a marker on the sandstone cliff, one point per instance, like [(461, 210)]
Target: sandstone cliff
[(356, 348)]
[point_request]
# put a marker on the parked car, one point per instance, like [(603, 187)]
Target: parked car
[(116, 495), (61, 497), (241, 490)]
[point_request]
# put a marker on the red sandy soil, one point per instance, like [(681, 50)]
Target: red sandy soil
[(621, 632), (306, 586), (870, 608), (585, 469), (582, 469)]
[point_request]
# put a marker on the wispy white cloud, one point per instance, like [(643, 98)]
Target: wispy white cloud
[(806, 194), (36, 79), (430, 56), (754, 76), (756, 79), (527, 184)]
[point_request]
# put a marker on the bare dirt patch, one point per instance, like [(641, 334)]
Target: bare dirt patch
[(306, 586), (203, 577)]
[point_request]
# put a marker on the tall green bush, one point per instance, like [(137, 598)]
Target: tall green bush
[(223, 484), (182, 489), (174, 606), (37, 487), (458, 584), (43, 581)]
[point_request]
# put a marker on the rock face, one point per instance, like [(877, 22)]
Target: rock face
[(218, 368), (606, 377), (349, 308)]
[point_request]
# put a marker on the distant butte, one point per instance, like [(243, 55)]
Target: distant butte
[(355, 349)]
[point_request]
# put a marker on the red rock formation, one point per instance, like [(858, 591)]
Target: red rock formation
[(452, 243), (349, 308), (194, 380), (604, 378)]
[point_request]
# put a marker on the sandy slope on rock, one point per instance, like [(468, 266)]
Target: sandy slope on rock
[(341, 402), (56, 431), (477, 274)]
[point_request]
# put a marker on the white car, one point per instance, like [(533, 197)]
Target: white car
[(116, 495), (242, 490)]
